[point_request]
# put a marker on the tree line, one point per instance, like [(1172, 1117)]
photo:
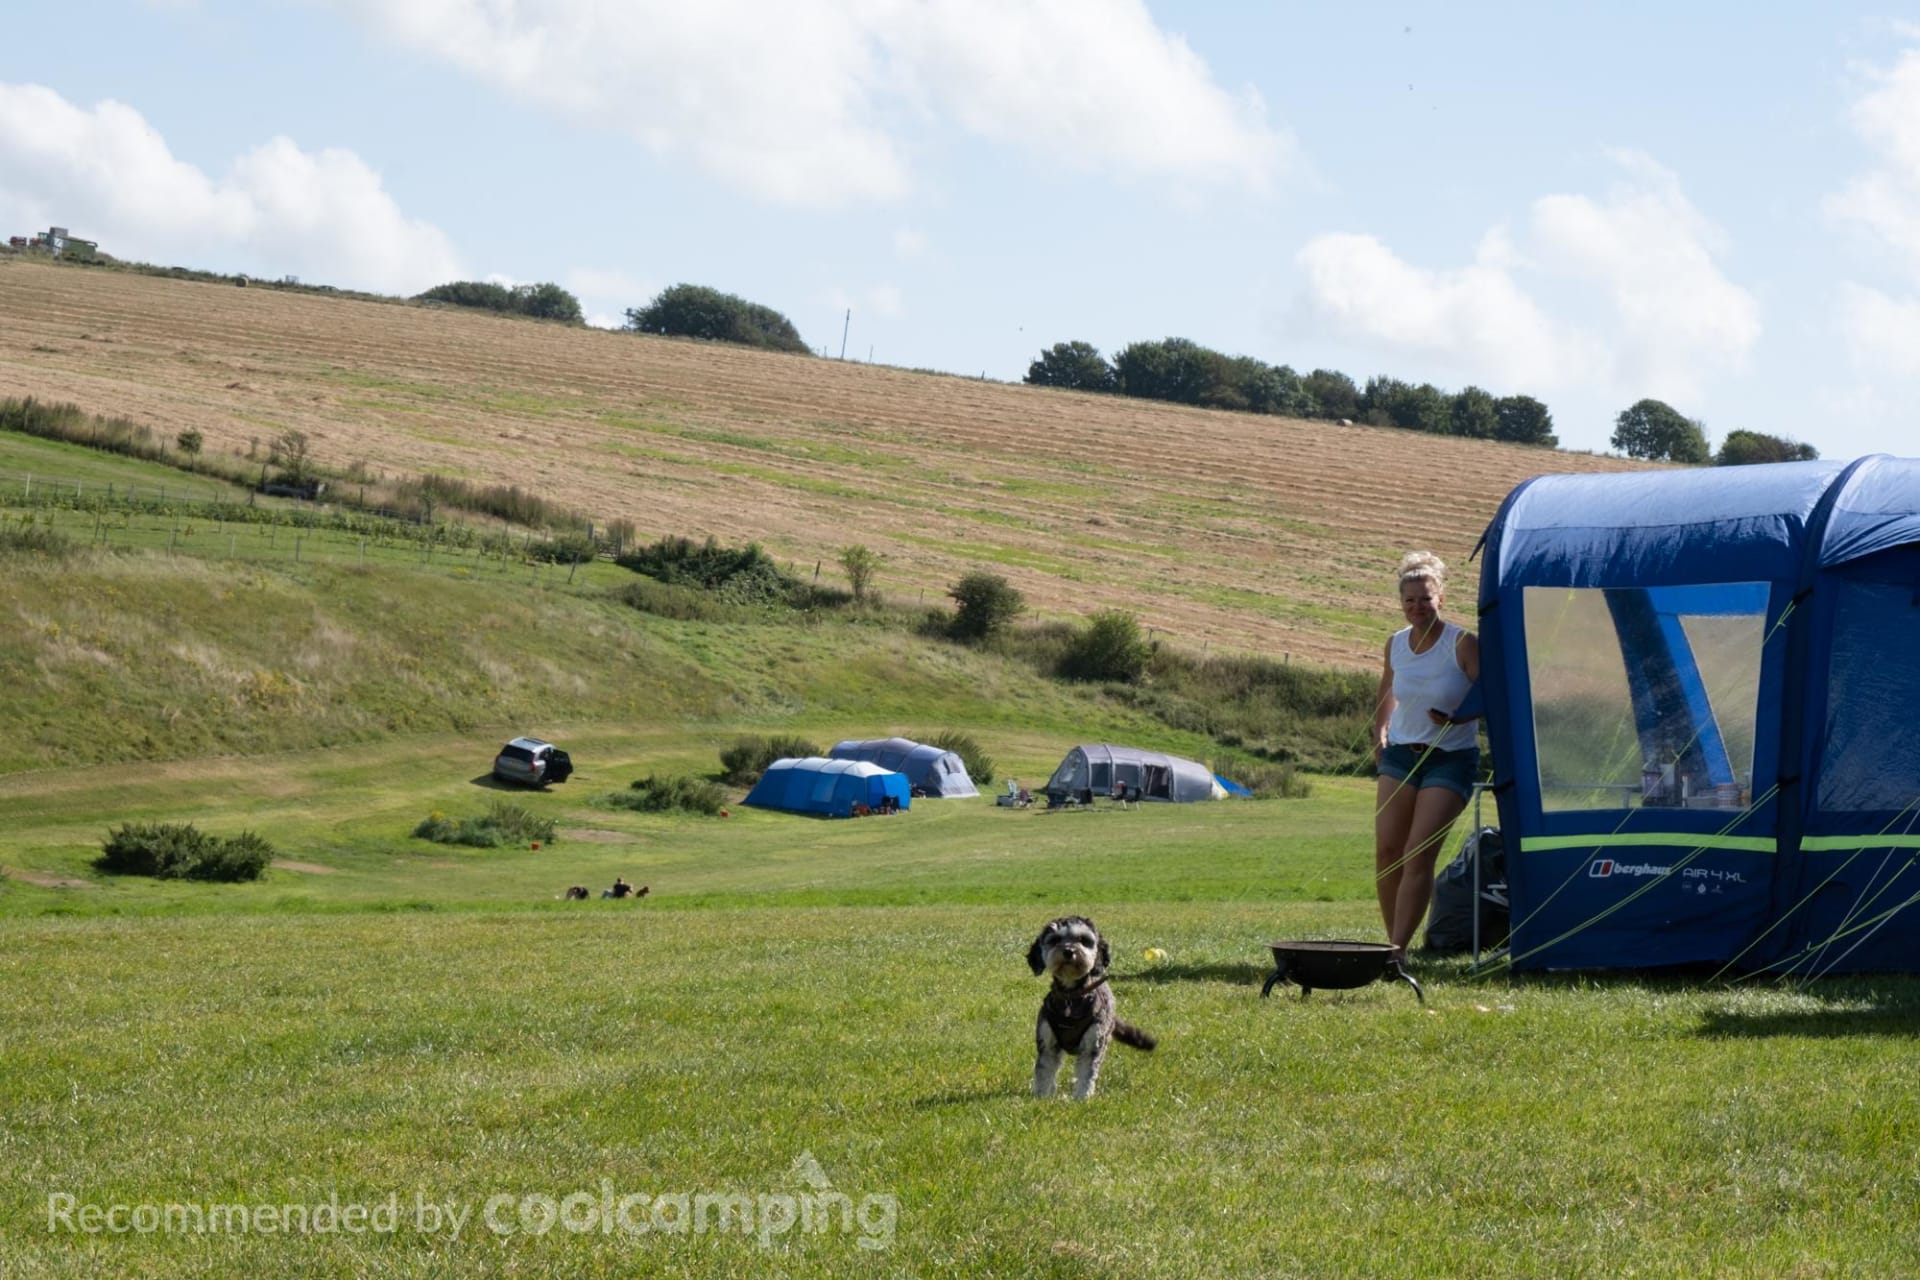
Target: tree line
[(1655, 430), (541, 301), (1185, 372)]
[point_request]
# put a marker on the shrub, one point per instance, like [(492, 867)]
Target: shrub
[(180, 851), (743, 575), (665, 795), (1266, 781), (984, 604), (695, 311), (979, 764), (1110, 648), (503, 823), (27, 538), (748, 758)]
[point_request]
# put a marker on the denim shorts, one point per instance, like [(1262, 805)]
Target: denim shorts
[(1419, 766)]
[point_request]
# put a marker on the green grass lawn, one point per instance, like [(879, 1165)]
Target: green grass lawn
[(383, 1023), (422, 1024)]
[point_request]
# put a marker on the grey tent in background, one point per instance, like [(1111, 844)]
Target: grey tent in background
[(1095, 769), (931, 771)]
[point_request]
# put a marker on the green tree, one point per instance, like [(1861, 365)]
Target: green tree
[(1743, 448), (292, 453), (1110, 648), (1474, 414), (547, 302), (1077, 366), (1524, 420), (190, 442), (1334, 394), (984, 603), (1658, 432), (694, 311), (861, 564)]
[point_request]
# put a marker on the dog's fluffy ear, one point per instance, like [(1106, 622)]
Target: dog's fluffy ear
[(1036, 959), (1106, 952)]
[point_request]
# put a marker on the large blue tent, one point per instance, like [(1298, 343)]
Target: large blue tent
[(811, 784), (1702, 691)]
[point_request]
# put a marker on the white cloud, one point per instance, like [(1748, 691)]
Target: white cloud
[(109, 175), (816, 102), (908, 243), (606, 294), (1882, 332), (1652, 255), (1669, 317), (1475, 315)]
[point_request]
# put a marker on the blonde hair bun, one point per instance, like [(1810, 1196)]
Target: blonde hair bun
[(1423, 564)]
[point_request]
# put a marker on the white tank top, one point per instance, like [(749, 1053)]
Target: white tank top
[(1431, 679)]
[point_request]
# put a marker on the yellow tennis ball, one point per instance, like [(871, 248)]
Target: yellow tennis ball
[(1155, 955)]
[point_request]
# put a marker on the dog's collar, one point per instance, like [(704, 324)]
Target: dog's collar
[(1090, 981)]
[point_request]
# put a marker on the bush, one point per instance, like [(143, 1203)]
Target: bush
[(742, 575), (985, 603), (665, 795), (504, 823), (979, 764), (27, 538), (1110, 648), (1266, 781), (694, 311), (748, 758), (180, 851)]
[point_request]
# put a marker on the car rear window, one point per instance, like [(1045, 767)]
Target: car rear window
[(517, 753)]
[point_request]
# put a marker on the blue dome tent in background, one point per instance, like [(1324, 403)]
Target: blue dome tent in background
[(1703, 695), (812, 784), (931, 771)]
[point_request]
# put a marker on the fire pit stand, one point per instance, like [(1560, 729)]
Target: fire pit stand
[(1336, 966)]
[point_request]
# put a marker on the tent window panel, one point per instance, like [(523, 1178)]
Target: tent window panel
[(1727, 651), (1871, 757), (1645, 696), (1583, 727)]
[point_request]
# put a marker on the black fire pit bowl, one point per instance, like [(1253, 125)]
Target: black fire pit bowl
[(1335, 966)]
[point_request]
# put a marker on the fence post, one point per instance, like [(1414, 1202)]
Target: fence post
[(28, 497), (296, 548)]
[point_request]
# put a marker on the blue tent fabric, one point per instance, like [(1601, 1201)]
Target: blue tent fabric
[(813, 784), (1233, 788), (931, 771), (1702, 690)]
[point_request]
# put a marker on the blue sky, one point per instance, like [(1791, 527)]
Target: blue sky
[(1713, 204)]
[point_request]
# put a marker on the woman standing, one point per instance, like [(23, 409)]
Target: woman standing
[(1427, 758)]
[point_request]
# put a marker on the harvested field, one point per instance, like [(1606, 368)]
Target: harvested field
[(1231, 531)]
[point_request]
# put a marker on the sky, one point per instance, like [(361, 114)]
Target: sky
[(1714, 204)]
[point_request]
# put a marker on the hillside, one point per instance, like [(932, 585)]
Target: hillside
[(1225, 531)]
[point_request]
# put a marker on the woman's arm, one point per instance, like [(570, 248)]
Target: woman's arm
[(1384, 704)]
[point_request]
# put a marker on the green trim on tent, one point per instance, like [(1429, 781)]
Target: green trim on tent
[(1826, 844), (1634, 839)]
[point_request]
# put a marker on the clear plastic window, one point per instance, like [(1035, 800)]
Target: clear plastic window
[(1645, 696)]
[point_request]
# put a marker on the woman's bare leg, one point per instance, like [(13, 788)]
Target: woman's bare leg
[(1434, 811), (1392, 820)]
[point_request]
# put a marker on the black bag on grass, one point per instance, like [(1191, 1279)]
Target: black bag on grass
[(1450, 921)]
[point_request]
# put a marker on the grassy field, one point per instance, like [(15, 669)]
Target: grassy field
[(808, 1050), (416, 1028), (1234, 531)]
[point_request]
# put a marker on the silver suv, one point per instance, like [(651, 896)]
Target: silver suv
[(529, 762)]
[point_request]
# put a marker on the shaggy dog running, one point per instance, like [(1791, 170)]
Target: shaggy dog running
[(1077, 1016)]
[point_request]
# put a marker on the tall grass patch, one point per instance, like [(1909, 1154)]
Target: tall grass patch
[(504, 823), (674, 793)]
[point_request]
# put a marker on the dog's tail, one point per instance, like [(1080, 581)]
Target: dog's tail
[(1128, 1034)]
